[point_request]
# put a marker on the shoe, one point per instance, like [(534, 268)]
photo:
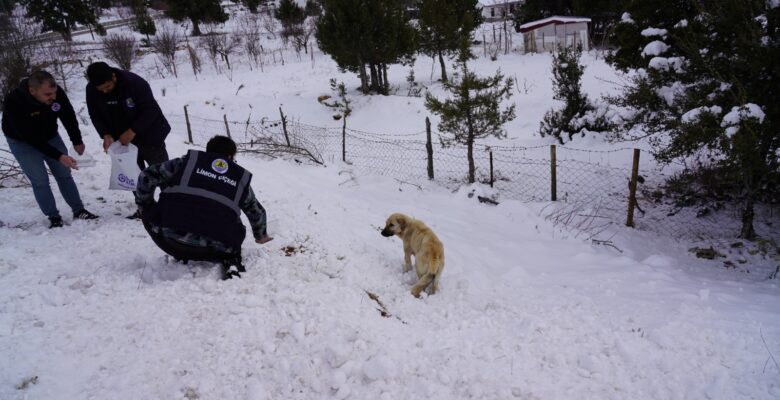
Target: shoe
[(84, 214), (135, 215), (228, 272), (55, 222)]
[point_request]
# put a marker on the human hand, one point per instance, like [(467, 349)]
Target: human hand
[(79, 148), (264, 239), (69, 161), (126, 137), (107, 140)]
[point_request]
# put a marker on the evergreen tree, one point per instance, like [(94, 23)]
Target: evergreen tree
[(443, 24), (292, 16), (473, 112), (364, 36), (62, 15), (567, 76), (252, 5), (197, 11), (143, 24), (313, 8), (706, 82)]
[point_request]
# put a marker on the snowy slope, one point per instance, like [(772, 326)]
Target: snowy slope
[(94, 311), (527, 310)]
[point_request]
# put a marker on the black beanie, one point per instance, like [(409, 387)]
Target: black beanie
[(99, 73)]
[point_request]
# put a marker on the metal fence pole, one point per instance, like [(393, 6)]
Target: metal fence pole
[(553, 174), (227, 128), (632, 189), (189, 128), (429, 148)]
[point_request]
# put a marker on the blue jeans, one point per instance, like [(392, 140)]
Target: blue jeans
[(32, 162)]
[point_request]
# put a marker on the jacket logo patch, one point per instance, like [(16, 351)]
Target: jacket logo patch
[(34, 113), (55, 106), (220, 166), (130, 103)]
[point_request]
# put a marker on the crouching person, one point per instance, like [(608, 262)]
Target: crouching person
[(198, 215)]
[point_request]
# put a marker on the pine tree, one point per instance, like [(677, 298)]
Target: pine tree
[(197, 11), (364, 36), (442, 26), (144, 24), (252, 5), (292, 16), (473, 112), (62, 15), (567, 76), (706, 82)]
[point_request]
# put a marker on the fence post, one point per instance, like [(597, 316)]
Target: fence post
[(227, 128), (553, 174), (491, 168), (632, 189), (429, 147), (284, 126), (344, 140), (189, 128)]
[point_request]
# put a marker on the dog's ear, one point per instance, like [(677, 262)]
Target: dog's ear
[(401, 223)]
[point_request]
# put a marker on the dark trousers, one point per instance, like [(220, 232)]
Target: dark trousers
[(151, 154), (181, 251)]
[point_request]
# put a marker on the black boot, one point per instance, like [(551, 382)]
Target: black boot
[(84, 214), (55, 222)]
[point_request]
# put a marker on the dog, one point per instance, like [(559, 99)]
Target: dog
[(420, 242)]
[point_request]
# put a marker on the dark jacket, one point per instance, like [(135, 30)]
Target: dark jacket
[(35, 123), (130, 105), (204, 196)]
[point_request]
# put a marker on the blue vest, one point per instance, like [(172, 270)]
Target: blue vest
[(205, 198)]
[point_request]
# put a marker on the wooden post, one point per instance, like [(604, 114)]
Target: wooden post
[(632, 189), (429, 148), (344, 140), (491, 168), (284, 126), (189, 128), (553, 174), (227, 128)]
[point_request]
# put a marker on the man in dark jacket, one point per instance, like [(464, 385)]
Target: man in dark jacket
[(198, 216), (122, 107), (30, 126)]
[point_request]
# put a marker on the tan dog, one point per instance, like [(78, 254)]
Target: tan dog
[(422, 243)]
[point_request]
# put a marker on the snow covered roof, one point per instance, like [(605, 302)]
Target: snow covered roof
[(556, 19), (492, 3)]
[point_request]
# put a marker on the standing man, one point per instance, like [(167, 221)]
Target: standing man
[(198, 216), (122, 107), (30, 127)]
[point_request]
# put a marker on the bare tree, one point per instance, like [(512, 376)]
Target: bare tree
[(17, 52), (194, 59), (250, 28), (62, 61), (270, 24), (121, 49), (228, 44), (165, 44), (210, 42)]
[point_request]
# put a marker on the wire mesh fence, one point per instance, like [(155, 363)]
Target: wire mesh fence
[(591, 188)]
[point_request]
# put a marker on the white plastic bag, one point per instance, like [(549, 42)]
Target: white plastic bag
[(124, 169)]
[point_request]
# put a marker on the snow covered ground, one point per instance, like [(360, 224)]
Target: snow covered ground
[(527, 310)]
